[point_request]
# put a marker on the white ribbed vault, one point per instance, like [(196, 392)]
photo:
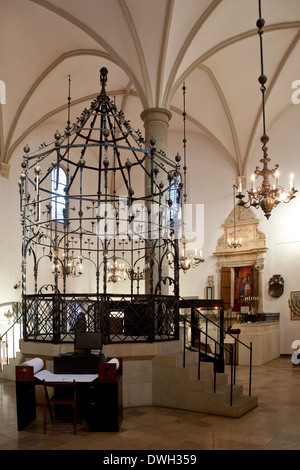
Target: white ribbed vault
[(149, 49)]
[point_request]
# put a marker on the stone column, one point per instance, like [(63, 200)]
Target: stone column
[(4, 169), (156, 123)]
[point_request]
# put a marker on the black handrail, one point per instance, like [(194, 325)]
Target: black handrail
[(215, 324), (233, 358), (215, 355), (19, 317)]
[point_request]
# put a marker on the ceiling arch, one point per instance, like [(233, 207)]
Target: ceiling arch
[(270, 89), (9, 146), (150, 48), (100, 40)]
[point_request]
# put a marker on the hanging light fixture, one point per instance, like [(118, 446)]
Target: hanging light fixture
[(138, 275), (67, 265), (187, 259), (136, 272), (116, 271), (268, 195), (234, 242)]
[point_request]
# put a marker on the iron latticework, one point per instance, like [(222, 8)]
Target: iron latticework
[(83, 230)]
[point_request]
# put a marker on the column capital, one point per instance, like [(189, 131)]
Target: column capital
[(156, 114), (4, 169)]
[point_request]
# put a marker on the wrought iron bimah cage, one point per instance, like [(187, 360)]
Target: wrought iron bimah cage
[(92, 236)]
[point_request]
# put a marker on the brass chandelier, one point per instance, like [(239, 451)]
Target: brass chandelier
[(116, 271), (268, 195), (187, 259), (67, 265)]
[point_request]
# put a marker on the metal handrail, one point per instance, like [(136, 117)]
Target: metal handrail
[(5, 335), (199, 353), (230, 351), (236, 340)]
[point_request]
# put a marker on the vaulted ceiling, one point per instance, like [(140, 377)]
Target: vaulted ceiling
[(149, 48)]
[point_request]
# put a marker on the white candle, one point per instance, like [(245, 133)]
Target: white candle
[(240, 186), (252, 181), (276, 178)]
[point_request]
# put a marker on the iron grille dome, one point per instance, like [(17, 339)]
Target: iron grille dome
[(108, 217)]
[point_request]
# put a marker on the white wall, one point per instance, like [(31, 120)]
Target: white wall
[(10, 236), (283, 228)]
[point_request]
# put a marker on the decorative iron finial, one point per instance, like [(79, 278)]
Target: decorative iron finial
[(103, 78)]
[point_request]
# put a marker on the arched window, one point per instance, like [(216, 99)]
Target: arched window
[(58, 184), (175, 187)]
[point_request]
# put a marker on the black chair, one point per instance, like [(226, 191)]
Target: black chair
[(65, 395)]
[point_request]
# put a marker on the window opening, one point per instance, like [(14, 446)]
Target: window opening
[(175, 199), (58, 184)]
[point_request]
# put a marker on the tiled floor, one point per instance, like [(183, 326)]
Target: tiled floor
[(273, 425)]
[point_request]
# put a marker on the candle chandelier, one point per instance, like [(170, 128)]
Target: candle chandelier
[(68, 264), (187, 259), (116, 271), (138, 271), (268, 195), (234, 242), (138, 275)]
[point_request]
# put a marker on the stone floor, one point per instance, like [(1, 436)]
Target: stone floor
[(273, 425)]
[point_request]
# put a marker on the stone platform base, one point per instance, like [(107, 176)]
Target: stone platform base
[(265, 338)]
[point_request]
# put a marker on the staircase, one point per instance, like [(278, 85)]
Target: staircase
[(10, 355), (8, 371), (175, 386)]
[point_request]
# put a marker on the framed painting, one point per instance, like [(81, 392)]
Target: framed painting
[(294, 304)]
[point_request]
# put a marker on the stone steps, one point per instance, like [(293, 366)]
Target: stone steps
[(176, 386), (8, 372)]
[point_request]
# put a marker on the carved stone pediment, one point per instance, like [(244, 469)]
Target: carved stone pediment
[(241, 214), (246, 227)]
